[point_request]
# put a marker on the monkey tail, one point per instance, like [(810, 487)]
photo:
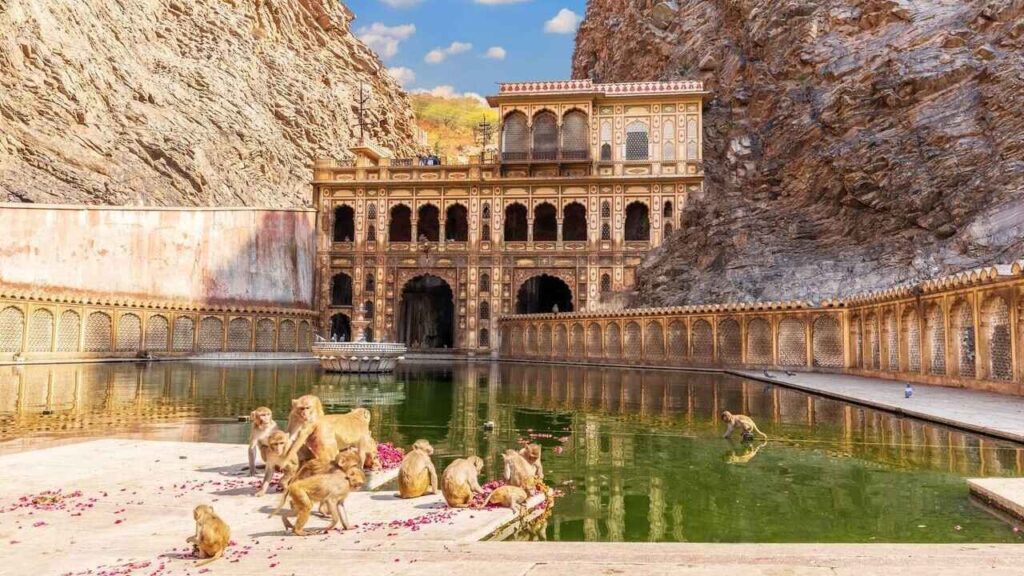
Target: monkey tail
[(758, 430), (284, 498), (486, 500), (216, 556)]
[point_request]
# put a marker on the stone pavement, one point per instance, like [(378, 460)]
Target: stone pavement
[(988, 413), (1006, 494)]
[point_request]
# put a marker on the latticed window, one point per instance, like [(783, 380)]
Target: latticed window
[(305, 336), (691, 139), (577, 341), (912, 340), (515, 137), (211, 334), (606, 283), (370, 285), (265, 335), (637, 141), (654, 341), (677, 348), (874, 352), (729, 342), (40, 331), (606, 209), (606, 231), (129, 333), (98, 332), (633, 342), (759, 341), (936, 336), (545, 340), (703, 342), (371, 233), (606, 140), (485, 338), (574, 135), (286, 336), (531, 340), (368, 309), (996, 330), (12, 327), (827, 342), (792, 343), (668, 140), (184, 331), (856, 342), (892, 343), (239, 335), (485, 311), (963, 338), (371, 212), (485, 282), (517, 341), (157, 333), (486, 211), (561, 342), (614, 341), (545, 136), (69, 331), (594, 342)]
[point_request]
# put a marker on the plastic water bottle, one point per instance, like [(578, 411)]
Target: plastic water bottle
[(908, 391)]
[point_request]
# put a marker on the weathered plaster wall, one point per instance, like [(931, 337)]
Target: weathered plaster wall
[(204, 256)]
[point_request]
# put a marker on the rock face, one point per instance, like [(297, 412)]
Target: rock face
[(849, 144), (183, 102)]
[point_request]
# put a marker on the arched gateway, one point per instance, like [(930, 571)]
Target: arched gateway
[(427, 314), (541, 294)]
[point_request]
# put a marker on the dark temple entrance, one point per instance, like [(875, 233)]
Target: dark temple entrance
[(341, 328), (541, 294), (427, 314)]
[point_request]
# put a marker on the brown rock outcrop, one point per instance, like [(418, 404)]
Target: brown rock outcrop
[(183, 102), (849, 144)]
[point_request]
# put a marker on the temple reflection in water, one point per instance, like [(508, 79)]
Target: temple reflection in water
[(632, 441)]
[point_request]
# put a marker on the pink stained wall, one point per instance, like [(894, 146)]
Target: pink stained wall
[(204, 255)]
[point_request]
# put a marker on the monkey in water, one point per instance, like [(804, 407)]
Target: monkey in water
[(278, 459), (745, 423), (518, 471), (748, 454), (532, 454), (459, 481), (263, 426), (508, 496), (212, 535), (417, 475), (329, 489), (311, 435)]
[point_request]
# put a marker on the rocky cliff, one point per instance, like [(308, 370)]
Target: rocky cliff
[(850, 144), (183, 102)]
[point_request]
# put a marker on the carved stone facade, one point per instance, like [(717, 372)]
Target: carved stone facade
[(588, 179)]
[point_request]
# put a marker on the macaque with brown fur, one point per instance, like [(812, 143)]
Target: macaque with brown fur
[(459, 481), (329, 489), (508, 496), (532, 454), (263, 426), (353, 429), (367, 449), (518, 471), (311, 434), (212, 535), (278, 459), (746, 424), (417, 475)]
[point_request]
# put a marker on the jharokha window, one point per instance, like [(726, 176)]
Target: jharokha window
[(637, 141)]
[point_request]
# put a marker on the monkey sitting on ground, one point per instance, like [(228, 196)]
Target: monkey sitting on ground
[(263, 426), (329, 489), (518, 471), (746, 424), (353, 429), (459, 481), (278, 459), (509, 496), (417, 475), (532, 454), (311, 435), (212, 535)]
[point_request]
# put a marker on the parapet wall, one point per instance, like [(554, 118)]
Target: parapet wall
[(81, 282), (965, 330)]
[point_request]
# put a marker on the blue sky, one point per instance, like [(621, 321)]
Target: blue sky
[(470, 45)]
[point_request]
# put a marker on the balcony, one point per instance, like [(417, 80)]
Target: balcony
[(546, 156)]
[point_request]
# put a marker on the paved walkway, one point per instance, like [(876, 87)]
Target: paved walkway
[(996, 415)]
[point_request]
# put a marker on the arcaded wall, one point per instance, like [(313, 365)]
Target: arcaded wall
[(222, 257)]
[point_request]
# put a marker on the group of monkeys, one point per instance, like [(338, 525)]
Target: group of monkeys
[(322, 457)]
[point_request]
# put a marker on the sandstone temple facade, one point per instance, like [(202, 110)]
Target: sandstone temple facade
[(587, 180)]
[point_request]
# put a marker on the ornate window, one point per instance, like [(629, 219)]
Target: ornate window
[(485, 213), (68, 333), (515, 137), (485, 311), (485, 338), (606, 209), (606, 231), (12, 325), (371, 233), (606, 283), (515, 223), (184, 331), (545, 222), (667, 209), (370, 284), (668, 140), (428, 223), (827, 342), (729, 341), (129, 333), (792, 343), (239, 335), (963, 339), (545, 136), (485, 282), (341, 290), (265, 335), (574, 223), (995, 330), (368, 309), (759, 341), (98, 332), (344, 224), (574, 135), (286, 336), (40, 331), (638, 222), (637, 141), (606, 140), (157, 332), (400, 226), (691, 139), (371, 212), (456, 223)]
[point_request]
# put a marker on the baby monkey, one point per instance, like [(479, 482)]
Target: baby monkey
[(263, 426), (212, 535), (330, 489), (508, 496), (278, 459), (745, 423)]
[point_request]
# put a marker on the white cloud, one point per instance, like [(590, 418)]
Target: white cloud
[(494, 2), (384, 40), (565, 22), (447, 91), (401, 3), (438, 55), (402, 75), (495, 53)]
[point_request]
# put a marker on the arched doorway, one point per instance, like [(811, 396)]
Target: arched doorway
[(427, 314), (341, 290), (341, 328), (541, 294), (344, 224)]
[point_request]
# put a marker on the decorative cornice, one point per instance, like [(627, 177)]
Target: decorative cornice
[(75, 299), (588, 87), (751, 307)]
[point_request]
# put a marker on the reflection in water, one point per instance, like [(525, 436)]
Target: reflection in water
[(638, 452)]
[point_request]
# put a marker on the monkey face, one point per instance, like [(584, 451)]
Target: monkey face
[(262, 417), (477, 463), (202, 512), (534, 451), (278, 443), (726, 416), (356, 478)]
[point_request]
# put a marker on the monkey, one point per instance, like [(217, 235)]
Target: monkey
[(278, 459), (417, 475), (212, 535), (518, 471), (353, 429), (330, 489), (746, 423), (263, 426), (349, 458), (459, 481), (367, 448), (509, 496), (311, 435), (747, 455), (531, 452)]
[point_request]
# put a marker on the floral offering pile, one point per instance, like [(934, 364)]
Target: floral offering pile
[(390, 457)]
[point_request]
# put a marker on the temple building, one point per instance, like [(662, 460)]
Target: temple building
[(587, 179)]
